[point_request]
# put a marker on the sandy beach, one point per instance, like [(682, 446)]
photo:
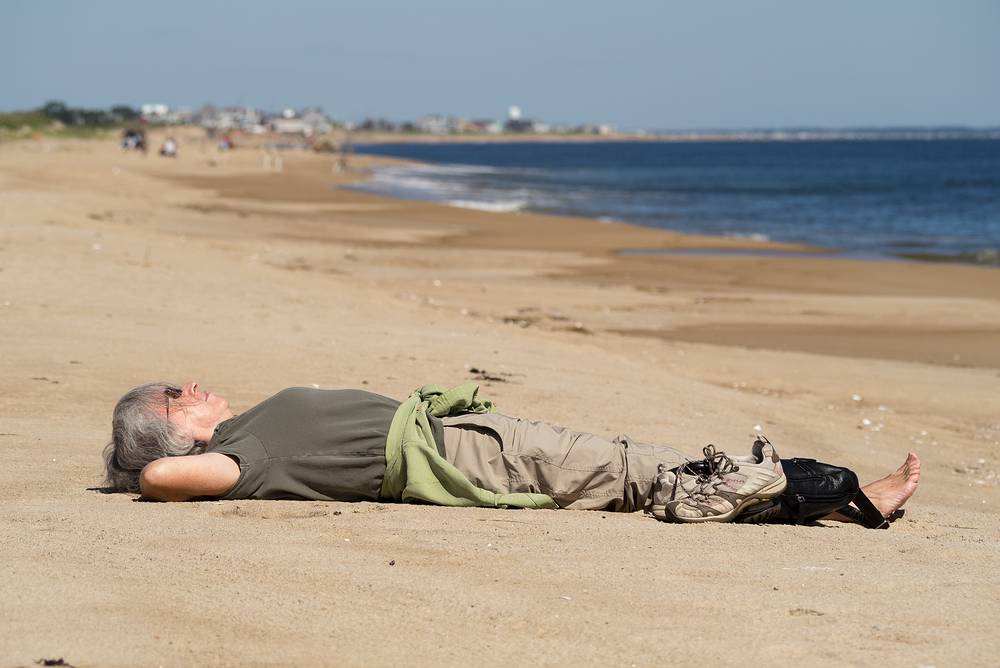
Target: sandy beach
[(118, 269)]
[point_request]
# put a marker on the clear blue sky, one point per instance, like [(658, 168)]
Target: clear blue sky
[(656, 64)]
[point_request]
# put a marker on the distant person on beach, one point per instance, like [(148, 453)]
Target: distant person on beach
[(448, 447), (169, 148), (134, 140), (343, 153)]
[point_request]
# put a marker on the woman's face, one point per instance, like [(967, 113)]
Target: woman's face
[(197, 412)]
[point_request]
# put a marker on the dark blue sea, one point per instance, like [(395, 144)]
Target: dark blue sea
[(930, 199)]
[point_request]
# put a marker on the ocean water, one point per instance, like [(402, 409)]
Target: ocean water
[(928, 199)]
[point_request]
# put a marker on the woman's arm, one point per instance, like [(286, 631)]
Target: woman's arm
[(182, 478)]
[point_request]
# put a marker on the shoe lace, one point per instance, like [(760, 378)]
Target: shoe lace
[(708, 472)]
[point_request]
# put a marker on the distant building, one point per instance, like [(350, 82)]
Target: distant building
[(520, 125), (433, 124), (308, 123), (230, 118), (287, 126), (317, 123), (162, 114), (590, 129), (436, 124), (483, 126), (516, 122), (154, 111), (379, 125)]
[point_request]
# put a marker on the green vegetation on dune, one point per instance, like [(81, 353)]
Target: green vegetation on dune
[(18, 119), (59, 119)]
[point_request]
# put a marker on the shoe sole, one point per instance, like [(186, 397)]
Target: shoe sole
[(770, 509), (765, 493)]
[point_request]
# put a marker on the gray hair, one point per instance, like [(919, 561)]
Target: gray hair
[(140, 435)]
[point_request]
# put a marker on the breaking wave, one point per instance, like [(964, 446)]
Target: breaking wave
[(494, 207)]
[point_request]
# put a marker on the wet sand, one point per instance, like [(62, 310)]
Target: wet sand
[(117, 269), (958, 347)]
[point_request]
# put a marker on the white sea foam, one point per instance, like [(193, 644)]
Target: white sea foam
[(422, 181), (750, 236), (499, 206), (450, 169), (434, 182), (412, 184)]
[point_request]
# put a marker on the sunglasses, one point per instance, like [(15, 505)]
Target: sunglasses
[(171, 393)]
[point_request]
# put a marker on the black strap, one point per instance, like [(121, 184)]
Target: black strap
[(866, 513)]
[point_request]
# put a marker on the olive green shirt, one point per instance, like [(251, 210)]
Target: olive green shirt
[(302, 443)]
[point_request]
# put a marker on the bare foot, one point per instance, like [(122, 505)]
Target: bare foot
[(891, 492)]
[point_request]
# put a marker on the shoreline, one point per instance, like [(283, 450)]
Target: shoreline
[(988, 257), (676, 240)]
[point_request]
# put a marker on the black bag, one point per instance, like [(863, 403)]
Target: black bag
[(815, 490)]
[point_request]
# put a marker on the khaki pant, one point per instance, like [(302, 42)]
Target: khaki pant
[(578, 470)]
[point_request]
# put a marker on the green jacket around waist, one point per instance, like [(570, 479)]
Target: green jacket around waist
[(416, 472)]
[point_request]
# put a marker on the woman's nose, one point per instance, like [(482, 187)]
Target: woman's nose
[(191, 388)]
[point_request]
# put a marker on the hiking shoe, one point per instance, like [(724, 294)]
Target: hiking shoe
[(718, 487)]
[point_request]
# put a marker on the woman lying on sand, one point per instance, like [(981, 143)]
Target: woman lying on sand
[(440, 446)]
